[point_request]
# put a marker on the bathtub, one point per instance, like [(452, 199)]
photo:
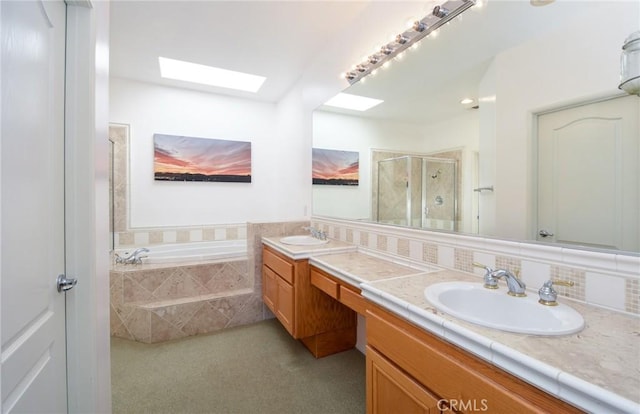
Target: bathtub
[(190, 252), (157, 301)]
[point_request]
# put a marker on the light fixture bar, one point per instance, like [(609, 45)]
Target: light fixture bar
[(421, 29)]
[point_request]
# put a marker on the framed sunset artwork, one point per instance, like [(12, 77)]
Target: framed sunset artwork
[(178, 158), (335, 167)]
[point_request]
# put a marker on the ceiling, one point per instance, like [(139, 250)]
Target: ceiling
[(283, 40), (275, 39)]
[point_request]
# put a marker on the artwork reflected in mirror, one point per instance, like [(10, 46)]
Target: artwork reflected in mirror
[(514, 64), (333, 167)]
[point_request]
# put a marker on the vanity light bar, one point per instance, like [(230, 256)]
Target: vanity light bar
[(421, 29)]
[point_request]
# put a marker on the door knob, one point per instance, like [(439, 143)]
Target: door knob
[(65, 284), (545, 233)]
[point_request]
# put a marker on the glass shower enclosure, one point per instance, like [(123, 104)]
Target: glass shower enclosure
[(418, 192)]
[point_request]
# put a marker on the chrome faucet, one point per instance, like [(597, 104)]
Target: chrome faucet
[(516, 286), (133, 258), (316, 234), (490, 282), (548, 295)]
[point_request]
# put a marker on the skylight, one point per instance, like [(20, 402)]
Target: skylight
[(355, 102), (209, 75)]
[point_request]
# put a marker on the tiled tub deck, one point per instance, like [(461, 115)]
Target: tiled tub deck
[(160, 302)]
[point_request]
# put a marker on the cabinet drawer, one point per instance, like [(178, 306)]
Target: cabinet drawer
[(328, 286), (279, 265), (353, 299)]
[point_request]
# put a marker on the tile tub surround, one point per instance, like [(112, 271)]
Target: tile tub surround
[(603, 279), (155, 303), (255, 233), (573, 367), (144, 237)]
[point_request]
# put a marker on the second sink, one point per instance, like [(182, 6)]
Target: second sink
[(495, 309)]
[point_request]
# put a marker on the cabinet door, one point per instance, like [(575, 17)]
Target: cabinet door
[(390, 390), (269, 288), (284, 310)]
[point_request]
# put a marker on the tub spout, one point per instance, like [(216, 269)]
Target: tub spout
[(133, 258)]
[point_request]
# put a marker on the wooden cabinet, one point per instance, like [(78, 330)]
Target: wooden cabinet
[(394, 392), (339, 290), (277, 288), (322, 324), (427, 364)]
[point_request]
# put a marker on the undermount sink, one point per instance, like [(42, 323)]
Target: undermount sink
[(494, 308), (303, 241)]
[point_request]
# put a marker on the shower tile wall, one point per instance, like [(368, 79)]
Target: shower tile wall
[(445, 181), (118, 135), (416, 193), (601, 279), (391, 187), (441, 177), (390, 208)]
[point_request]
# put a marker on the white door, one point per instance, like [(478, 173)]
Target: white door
[(32, 220), (588, 185)]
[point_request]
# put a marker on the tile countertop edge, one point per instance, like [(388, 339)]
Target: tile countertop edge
[(296, 252), (561, 384), (339, 273)]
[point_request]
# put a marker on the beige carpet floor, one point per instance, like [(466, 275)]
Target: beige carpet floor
[(256, 368)]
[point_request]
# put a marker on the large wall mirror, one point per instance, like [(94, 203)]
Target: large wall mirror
[(547, 149)]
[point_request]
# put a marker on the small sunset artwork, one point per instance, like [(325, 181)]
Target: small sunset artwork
[(335, 167), (178, 158)]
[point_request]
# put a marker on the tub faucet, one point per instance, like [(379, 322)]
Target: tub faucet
[(515, 285), (133, 258)]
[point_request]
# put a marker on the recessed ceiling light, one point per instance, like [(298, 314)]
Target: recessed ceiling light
[(466, 101), (209, 75), (355, 102)]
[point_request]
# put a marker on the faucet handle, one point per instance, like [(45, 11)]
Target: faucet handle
[(490, 282), (548, 295), (476, 264)]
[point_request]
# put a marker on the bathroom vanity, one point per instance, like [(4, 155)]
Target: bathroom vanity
[(322, 324), (421, 360)]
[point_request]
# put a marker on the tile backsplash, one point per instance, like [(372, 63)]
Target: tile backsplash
[(603, 279), (162, 235)]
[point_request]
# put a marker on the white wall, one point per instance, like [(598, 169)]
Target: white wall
[(580, 62), (150, 109)]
